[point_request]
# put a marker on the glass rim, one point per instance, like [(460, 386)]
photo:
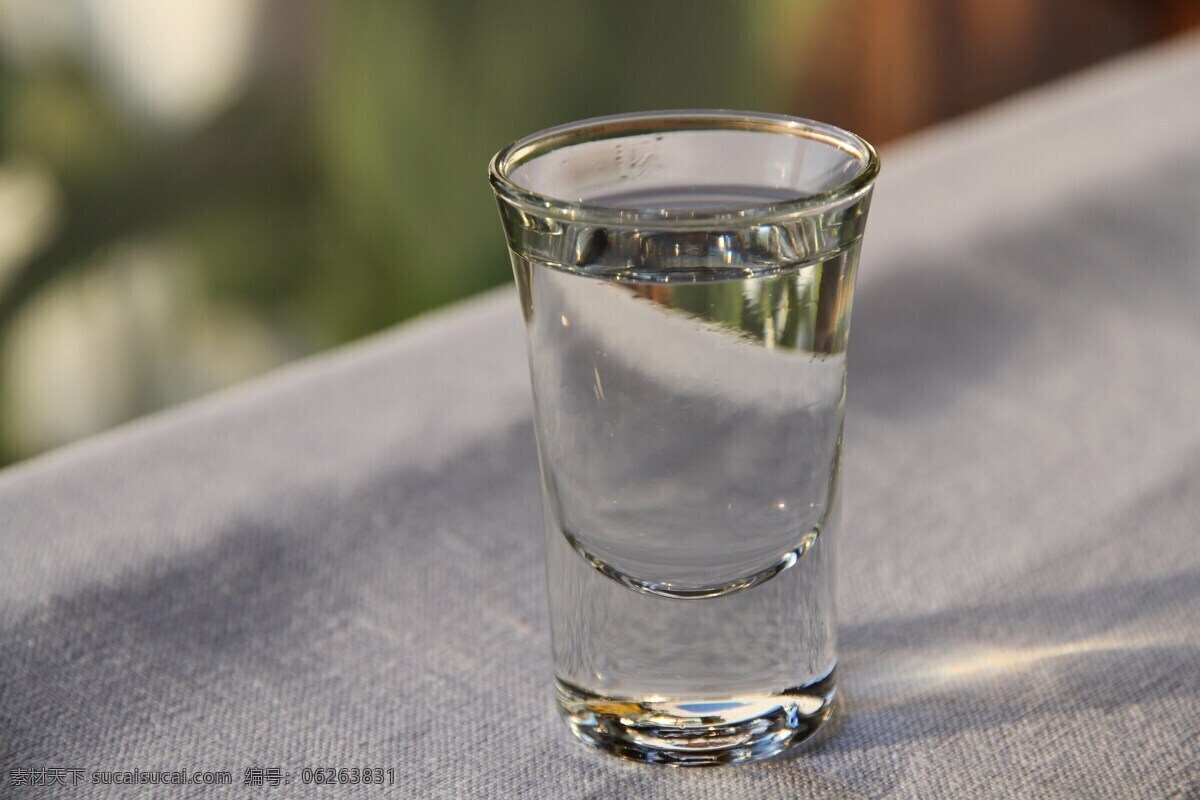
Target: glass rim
[(538, 144)]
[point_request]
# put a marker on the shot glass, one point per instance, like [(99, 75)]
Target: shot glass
[(686, 280)]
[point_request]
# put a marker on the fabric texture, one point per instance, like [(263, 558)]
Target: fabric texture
[(341, 564)]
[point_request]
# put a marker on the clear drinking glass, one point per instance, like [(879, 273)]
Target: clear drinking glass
[(686, 280)]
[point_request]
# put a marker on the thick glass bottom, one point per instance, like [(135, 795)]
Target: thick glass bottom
[(728, 730)]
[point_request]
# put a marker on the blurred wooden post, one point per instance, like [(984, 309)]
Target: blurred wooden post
[(884, 68)]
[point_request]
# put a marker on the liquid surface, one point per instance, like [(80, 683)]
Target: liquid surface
[(692, 198)]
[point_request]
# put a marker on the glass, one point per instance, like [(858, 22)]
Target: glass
[(686, 281)]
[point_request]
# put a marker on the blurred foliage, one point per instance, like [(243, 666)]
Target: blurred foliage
[(163, 248), (192, 193)]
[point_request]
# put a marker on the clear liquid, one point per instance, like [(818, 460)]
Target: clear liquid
[(688, 394)]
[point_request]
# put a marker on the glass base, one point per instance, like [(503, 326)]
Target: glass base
[(698, 733)]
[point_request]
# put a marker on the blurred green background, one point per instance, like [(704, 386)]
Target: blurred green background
[(195, 191)]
